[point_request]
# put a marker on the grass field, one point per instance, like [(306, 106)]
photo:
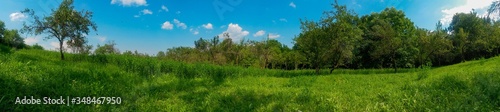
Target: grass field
[(148, 84)]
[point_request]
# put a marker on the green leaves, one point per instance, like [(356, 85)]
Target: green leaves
[(64, 23)]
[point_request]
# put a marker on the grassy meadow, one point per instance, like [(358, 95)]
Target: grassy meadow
[(149, 84)]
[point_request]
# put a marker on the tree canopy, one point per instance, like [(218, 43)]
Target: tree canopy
[(64, 24)]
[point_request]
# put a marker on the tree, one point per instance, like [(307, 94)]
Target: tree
[(108, 48), (388, 43), (462, 42), (160, 54), (201, 45), (13, 39), (343, 35), (2, 30), (494, 7), (389, 38), (36, 46), (311, 42), (64, 24)]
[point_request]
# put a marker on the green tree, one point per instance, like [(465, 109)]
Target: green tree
[(108, 48), (462, 42), (342, 35), (475, 43), (311, 42), (13, 39), (160, 54), (36, 46), (387, 44), (389, 38), (64, 23), (2, 31)]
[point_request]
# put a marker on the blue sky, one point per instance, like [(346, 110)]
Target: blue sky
[(149, 26)]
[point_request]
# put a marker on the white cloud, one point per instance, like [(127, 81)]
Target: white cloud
[(136, 16), (259, 33), (163, 7), (180, 24), (273, 35), (479, 5), (146, 12), (223, 26), (292, 5), (283, 20), (32, 40), (167, 26), (130, 2), (17, 16), (101, 38), (208, 26), (194, 31), (178, 12), (236, 33), (55, 45)]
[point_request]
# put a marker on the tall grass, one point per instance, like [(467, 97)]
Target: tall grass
[(149, 84)]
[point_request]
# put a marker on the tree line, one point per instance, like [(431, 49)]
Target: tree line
[(340, 39)]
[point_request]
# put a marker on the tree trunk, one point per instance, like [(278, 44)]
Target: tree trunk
[(331, 70), (296, 66), (61, 49), (394, 63), (317, 70)]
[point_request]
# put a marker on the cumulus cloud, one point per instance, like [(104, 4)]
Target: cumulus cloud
[(479, 5), (163, 7), (208, 26), (146, 12), (292, 5), (259, 33), (180, 24), (194, 31), (101, 38), (167, 25), (235, 32), (32, 40), (17, 16), (273, 35), (130, 2), (55, 46), (283, 20), (223, 26)]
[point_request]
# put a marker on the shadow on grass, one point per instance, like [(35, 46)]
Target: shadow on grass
[(450, 93)]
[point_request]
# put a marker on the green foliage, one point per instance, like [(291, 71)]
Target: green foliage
[(36, 46), (150, 84), (64, 24), (108, 48)]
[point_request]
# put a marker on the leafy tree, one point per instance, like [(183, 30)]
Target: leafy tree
[(36, 46), (494, 7), (343, 35), (387, 44), (2, 31), (311, 42), (462, 42), (108, 48), (202, 45), (13, 39), (389, 38), (64, 23), (160, 54)]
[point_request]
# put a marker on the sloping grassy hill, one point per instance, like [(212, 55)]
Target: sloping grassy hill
[(147, 84)]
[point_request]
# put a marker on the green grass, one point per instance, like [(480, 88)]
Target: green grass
[(148, 84)]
